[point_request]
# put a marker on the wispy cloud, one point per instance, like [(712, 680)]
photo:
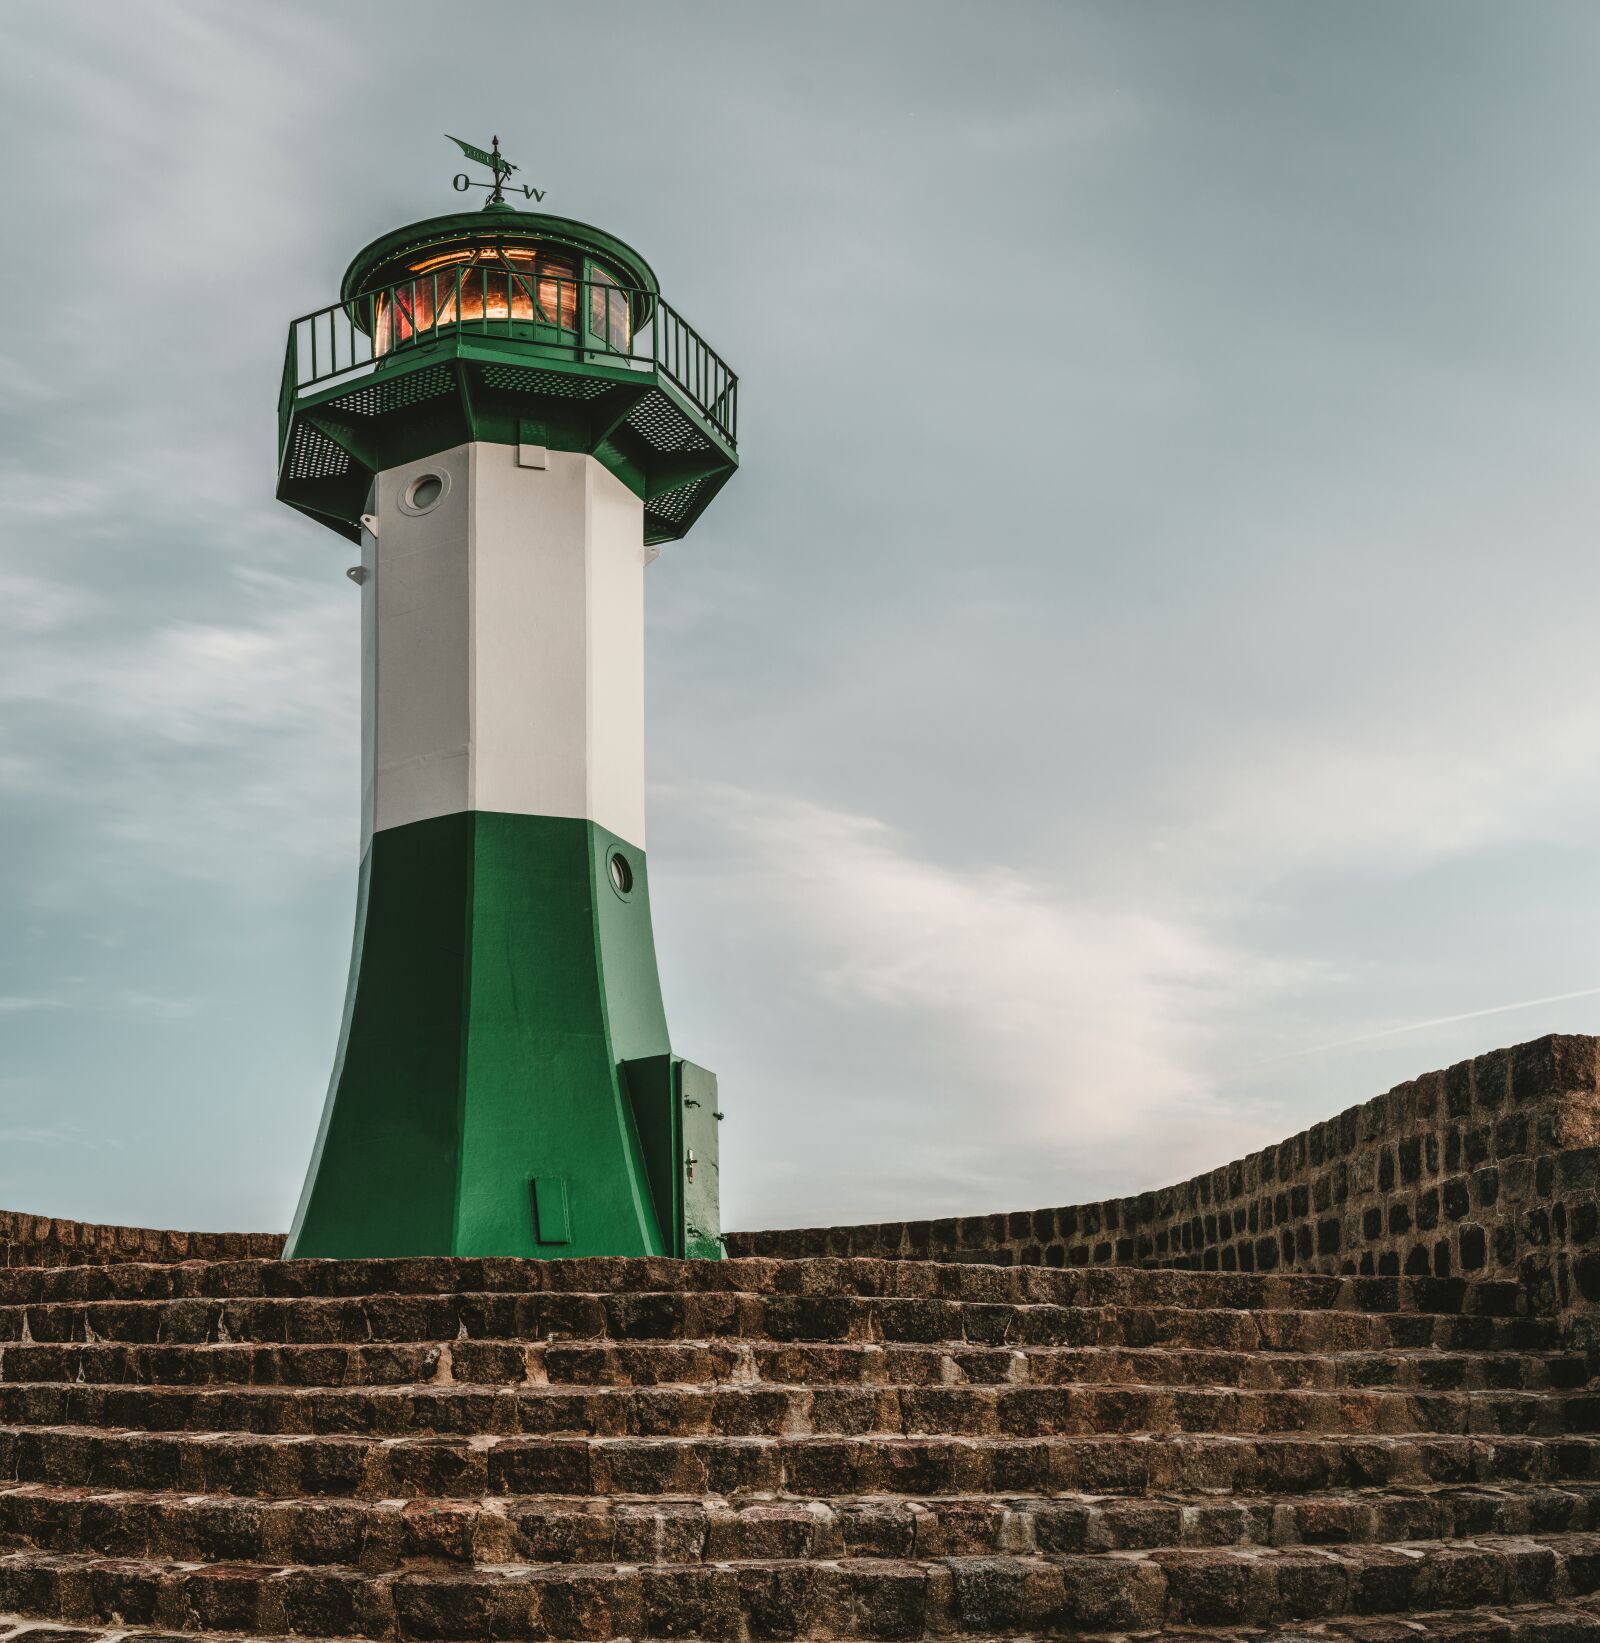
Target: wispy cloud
[(1047, 1027), (194, 739), (122, 1001), (52, 1135), (1437, 1021)]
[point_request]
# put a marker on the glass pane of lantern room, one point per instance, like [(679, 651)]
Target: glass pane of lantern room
[(606, 316)]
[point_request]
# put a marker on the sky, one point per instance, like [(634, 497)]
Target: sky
[(1136, 699)]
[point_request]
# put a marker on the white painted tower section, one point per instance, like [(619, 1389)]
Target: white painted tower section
[(503, 641)]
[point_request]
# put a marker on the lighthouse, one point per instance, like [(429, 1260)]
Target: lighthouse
[(507, 417)]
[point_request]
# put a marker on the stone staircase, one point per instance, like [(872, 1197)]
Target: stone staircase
[(772, 1449)]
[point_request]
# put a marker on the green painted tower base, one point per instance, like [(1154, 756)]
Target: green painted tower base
[(504, 1083)]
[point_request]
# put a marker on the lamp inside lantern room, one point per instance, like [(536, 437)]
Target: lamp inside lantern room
[(534, 290)]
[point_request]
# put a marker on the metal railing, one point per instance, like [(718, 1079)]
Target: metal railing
[(592, 320)]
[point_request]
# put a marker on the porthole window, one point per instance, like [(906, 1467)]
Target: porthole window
[(424, 493), (621, 872)]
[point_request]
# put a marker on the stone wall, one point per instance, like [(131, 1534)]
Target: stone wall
[(1486, 1169), (42, 1240), (1490, 1168)]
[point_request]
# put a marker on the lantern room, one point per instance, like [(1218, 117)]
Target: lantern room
[(499, 272)]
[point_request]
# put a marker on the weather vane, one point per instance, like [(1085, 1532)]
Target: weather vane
[(501, 168)]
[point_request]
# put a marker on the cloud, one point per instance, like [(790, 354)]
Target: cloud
[(34, 604), (1049, 1033), (1442, 1021), (191, 740), (47, 1135), (1512, 757), (153, 1006), (1057, 1003), (124, 1001)]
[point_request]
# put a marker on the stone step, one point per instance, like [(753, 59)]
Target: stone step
[(386, 1535), (1575, 1620), (1007, 1411), (733, 1315), (433, 1276), (799, 1363), (455, 1468), (787, 1598), (812, 1363)]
